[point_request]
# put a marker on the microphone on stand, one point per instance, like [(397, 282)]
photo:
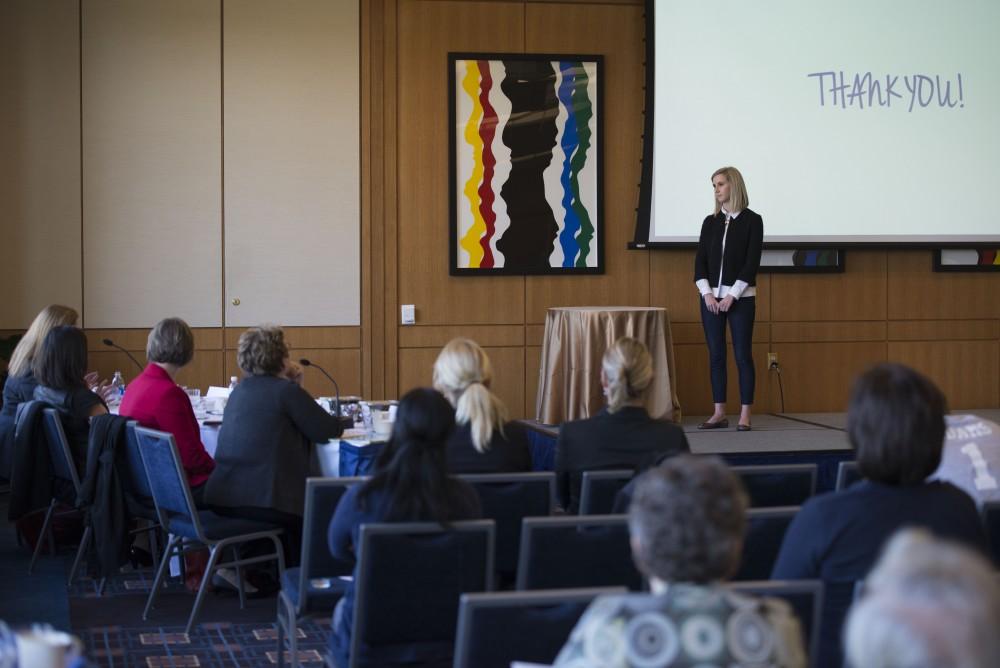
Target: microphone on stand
[(112, 344), (336, 388)]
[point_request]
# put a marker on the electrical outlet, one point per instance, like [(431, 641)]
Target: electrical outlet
[(772, 360)]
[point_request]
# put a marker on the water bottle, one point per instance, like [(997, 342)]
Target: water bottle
[(233, 382), (118, 383)]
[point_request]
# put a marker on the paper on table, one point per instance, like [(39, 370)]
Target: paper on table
[(216, 391), (522, 664)]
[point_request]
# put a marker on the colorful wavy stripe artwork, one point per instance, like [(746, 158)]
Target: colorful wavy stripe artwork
[(526, 165)]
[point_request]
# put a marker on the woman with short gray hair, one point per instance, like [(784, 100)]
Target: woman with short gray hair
[(266, 442), (156, 400)]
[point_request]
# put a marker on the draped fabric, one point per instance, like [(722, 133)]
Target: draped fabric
[(569, 376)]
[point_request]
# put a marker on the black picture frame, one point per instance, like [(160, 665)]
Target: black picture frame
[(943, 264)]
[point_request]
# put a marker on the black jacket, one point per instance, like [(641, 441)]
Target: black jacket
[(101, 495), (31, 475), (508, 452), (625, 439), (744, 242)]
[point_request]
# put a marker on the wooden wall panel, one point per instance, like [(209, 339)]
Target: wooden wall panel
[(857, 294), (416, 367), (427, 32), (817, 376), (919, 293), (344, 365), (966, 371), (152, 162), (617, 33), (39, 158)]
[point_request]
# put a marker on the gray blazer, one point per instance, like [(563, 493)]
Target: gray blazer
[(265, 453)]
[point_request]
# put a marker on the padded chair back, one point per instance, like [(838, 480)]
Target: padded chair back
[(166, 476), (599, 488), (991, 523), (409, 580), (135, 482), (847, 475), (765, 530), (507, 498), (496, 629), (806, 600), (576, 551), (62, 457), (778, 485), (322, 497)]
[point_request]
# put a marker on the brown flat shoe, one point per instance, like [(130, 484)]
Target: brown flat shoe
[(743, 427), (721, 424)]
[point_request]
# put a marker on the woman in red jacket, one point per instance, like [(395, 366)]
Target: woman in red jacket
[(158, 402)]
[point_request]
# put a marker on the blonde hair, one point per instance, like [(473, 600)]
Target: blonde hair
[(738, 198), (462, 373), (628, 371), (50, 317)]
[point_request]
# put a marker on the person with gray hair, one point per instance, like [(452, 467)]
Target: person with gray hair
[(620, 436), (156, 401), (927, 603), (686, 523)]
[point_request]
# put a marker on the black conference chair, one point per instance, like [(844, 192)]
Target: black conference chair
[(806, 600), (314, 587), (135, 485), (847, 475), (507, 498), (990, 513), (771, 486), (495, 629), (410, 577), (191, 529), (599, 488), (765, 530), (576, 551)]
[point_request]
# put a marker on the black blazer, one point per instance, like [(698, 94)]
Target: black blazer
[(625, 439), (508, 452), (743, 246)]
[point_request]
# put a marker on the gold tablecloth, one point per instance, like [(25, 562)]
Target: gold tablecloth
[(569, 377)]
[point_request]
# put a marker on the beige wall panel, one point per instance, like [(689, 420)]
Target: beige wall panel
[(343, 364), (801, 332), (427, 32), (205, 338), (943, 330), (918, 292), (416, 369), (292, 162), (484, 335), (966, 371), (39, 157), (818, 376), (151, 162), (617, 33), (857, 294)]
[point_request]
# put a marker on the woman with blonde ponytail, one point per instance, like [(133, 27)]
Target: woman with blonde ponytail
[(622, 435), (483, 440)]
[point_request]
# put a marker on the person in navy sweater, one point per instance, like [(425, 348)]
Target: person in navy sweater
[(896, 424), (411, 484)]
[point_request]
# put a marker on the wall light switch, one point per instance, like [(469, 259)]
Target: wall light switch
[(409, 314)]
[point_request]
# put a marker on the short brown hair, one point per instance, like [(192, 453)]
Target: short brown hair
[(687, 519), (262, 351), (170, 342), (895, 422)]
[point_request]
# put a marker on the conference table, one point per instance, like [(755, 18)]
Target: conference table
[(569, 375)]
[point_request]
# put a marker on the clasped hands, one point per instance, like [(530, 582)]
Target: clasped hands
[(718, 305)]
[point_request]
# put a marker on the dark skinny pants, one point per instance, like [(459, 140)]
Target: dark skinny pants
[(740, 317)]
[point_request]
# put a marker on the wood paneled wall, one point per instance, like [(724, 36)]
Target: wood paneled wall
[(887, 305)]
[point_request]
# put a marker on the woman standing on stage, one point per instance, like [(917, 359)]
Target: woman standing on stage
[(725, 272)]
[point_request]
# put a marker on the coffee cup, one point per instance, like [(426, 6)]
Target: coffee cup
[(47, 648)]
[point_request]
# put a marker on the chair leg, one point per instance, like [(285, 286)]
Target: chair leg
[(84, 544), (160, 573), (293, 637), (100, 586), (154, 541), (213, 557), (239, 579), (281, 630), (42, 535)]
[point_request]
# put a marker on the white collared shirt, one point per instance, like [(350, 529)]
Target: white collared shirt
[(738, 288)]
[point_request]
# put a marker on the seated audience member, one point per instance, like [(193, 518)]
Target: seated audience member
[(483, 440), (60, 367), (686, 521), (410, 484), (971, 457), (21, 383), (265, 450), (157, 402), (622, 435), (895, 422), (926, 603)]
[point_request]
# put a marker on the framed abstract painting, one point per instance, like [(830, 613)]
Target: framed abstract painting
[(525, 164)]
